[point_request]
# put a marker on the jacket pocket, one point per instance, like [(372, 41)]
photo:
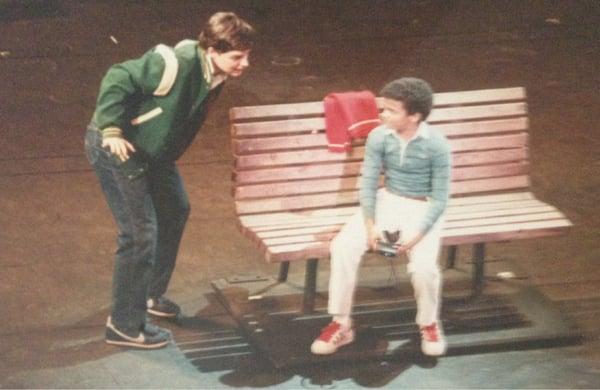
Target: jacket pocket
[(147, 116)]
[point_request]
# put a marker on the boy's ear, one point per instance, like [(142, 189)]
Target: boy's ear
[(418, 117)]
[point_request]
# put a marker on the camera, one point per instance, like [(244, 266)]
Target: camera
[(386, 249), (388, 246)]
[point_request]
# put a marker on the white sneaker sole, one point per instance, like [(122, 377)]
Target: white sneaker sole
[(137, 345), (161, 314), (316, 351)]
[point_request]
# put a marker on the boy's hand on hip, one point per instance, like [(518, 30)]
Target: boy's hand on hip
[(119, 147)]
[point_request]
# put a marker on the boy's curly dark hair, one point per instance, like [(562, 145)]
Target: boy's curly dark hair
[(416, 94)]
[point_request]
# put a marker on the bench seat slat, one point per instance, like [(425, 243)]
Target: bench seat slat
[(293, 252), (316, 233), (301, 230), (454, 209), (281, 226), (309, 224), (504, 219), (505, 232), (536, 208), (276, 229), (316, 249), (324, 236), (458, 205), (269, 219), (489, 227), (478, 218)]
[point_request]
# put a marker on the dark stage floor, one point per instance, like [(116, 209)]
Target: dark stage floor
[(57, 238)]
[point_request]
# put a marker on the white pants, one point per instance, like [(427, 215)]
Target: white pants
[(392, 213)]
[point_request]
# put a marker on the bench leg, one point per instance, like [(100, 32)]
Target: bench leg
[(451, 260), (284, 267), (478, 268), (310, 285)]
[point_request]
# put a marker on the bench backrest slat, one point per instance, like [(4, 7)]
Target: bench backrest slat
[(316, 108), (350, 197), (317, 137), (322, 156), (318, 183), (282, 162), (439, 115)]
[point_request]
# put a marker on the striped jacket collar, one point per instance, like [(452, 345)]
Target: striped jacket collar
[(208, 70)]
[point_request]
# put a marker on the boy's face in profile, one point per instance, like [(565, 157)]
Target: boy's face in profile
[(231, 63), (395, 116)]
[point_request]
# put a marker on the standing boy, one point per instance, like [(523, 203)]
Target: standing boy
[(148, 112), (415, 160)]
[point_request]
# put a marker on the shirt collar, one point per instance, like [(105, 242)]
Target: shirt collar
[(422, 131), (215, 79)]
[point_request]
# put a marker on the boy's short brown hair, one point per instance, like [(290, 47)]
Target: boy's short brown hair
[(225, 31)]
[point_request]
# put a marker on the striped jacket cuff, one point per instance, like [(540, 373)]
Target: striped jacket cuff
[(111, 132)]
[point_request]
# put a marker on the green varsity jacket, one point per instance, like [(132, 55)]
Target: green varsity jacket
[(157, 102)]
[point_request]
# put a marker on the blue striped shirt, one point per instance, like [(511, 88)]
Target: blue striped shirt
[(420, 167)]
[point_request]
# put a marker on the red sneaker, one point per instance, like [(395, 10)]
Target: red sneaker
[(432, 340), (332, 337)]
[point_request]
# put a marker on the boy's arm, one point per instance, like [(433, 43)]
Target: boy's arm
[(440, 185), (371, 170)]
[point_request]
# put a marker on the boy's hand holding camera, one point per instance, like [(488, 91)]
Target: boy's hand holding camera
[(390, 243)]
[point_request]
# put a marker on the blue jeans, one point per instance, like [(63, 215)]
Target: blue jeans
[(150, 209)]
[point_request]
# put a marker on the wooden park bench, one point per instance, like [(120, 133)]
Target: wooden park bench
[(292, 195)]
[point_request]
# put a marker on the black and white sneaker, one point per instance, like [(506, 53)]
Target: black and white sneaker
[(150, 337), (162, 307)]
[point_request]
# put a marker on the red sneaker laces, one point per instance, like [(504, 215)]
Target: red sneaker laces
[(430, 333), (328, 331)]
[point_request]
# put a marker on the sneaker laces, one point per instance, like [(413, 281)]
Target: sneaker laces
[(329, 331), (430, 333)]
